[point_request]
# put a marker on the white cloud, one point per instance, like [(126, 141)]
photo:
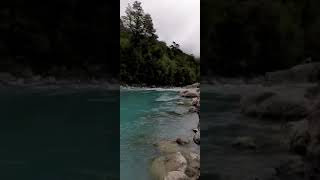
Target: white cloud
[(174, 20)]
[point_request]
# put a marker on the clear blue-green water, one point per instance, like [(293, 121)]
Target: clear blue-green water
[(59, 134), (146, 117)]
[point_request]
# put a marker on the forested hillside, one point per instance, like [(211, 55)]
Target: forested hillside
[(146, 60), (249, 37)]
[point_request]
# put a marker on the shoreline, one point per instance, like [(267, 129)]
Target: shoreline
[(37, 81), (178, 158)]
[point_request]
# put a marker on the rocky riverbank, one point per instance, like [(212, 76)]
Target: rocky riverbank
[(292, 98), (288, 101), (176, 160), (297, 111)]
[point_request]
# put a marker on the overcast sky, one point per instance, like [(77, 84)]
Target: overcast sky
[(174, 20)]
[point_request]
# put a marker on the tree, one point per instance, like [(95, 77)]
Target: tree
[(149, 30), (146, 60)]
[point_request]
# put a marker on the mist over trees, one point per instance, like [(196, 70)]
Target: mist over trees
[(146, 60), (250, 37)]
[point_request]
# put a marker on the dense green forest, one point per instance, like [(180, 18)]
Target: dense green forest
[(146, 60), (250, 37)]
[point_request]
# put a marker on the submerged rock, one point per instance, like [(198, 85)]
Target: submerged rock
[(180, 103), (166, 146)]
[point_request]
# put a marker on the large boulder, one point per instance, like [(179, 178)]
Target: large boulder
[(191, 93), (297, 74), (276, 106), (162, 165), (175, 162), (193, 168)]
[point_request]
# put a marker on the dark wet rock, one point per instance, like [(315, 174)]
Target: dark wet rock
[(196, 137), (193, 109), (182, 141), (244, 142), (195, 130)]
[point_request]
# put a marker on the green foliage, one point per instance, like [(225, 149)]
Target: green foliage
[(145, 60)]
